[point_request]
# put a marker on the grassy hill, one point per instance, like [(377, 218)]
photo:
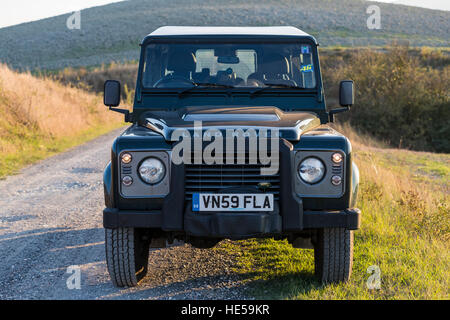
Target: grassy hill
[(40, 117), (112, 32)]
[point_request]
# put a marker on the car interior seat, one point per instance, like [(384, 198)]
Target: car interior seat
[(182, 64), (273, 69), (202, 76)]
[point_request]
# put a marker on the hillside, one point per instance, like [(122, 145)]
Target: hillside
[(41, 117), (113, 32)]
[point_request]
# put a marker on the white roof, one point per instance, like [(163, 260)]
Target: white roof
[(190, 30)]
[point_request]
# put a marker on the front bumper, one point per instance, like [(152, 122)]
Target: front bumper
[(172, 213), (232, 225)]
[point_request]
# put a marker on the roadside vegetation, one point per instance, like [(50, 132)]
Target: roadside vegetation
[(405, 231), (93, 78), (40, 117), (402, 102), (402, 94)]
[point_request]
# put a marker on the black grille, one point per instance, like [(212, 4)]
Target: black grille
[(212, 178)]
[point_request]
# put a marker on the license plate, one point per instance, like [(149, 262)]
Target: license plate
[(232, 202)]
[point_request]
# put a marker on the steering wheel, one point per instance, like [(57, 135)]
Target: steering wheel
[(172, 78)]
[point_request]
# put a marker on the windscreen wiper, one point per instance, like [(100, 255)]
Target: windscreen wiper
[(272, 85), (204, 84)]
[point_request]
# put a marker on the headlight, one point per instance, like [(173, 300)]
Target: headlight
[(152, 170), (311, 170)]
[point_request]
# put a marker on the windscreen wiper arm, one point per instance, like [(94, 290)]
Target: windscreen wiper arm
[(205, 84), (272, 85)]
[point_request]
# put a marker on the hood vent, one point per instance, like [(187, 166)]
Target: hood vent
[(220, 117)]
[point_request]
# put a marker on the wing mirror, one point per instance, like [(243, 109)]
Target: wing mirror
[(346, 98), (346, 93), (111, 98), (111, 93)]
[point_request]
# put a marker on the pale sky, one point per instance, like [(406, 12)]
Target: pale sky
[(430, 4), (18, 11)]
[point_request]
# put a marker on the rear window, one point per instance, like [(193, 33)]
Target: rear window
[(207, 60)]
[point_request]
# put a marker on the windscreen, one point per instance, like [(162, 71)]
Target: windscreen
[(239, 65)]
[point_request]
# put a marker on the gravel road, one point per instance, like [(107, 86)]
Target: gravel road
[(51, 218)]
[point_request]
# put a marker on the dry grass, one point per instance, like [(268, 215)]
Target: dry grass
[(41, 116), (55, 109), (405, 230)]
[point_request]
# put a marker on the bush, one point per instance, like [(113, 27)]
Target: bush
[(93, 79), (401, 96)]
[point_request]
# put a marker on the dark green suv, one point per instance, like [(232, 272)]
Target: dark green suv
[(229, 140)]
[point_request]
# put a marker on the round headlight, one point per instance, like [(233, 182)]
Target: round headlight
[(311, 170), (152, 170)]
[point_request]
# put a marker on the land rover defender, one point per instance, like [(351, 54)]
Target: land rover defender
[(229, 140)]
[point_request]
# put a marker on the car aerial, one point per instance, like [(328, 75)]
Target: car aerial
[(230, 139)]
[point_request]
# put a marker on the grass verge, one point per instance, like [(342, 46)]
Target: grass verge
[(405, 231), (33, 146), (41, 117)]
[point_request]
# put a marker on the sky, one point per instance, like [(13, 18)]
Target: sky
[(430, 4), (14, 12)]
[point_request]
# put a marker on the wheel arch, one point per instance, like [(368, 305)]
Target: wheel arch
[(354, 185), (107, 186)]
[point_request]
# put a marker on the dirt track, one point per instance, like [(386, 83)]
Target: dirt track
[(51, 218)]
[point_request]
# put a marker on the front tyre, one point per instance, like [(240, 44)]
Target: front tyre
[(127, 252), (333, 255)]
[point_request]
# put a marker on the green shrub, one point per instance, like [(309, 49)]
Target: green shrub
[(402, 95), (93, 79)]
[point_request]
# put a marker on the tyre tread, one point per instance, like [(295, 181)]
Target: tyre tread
[(120, 257), (333, 254)]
